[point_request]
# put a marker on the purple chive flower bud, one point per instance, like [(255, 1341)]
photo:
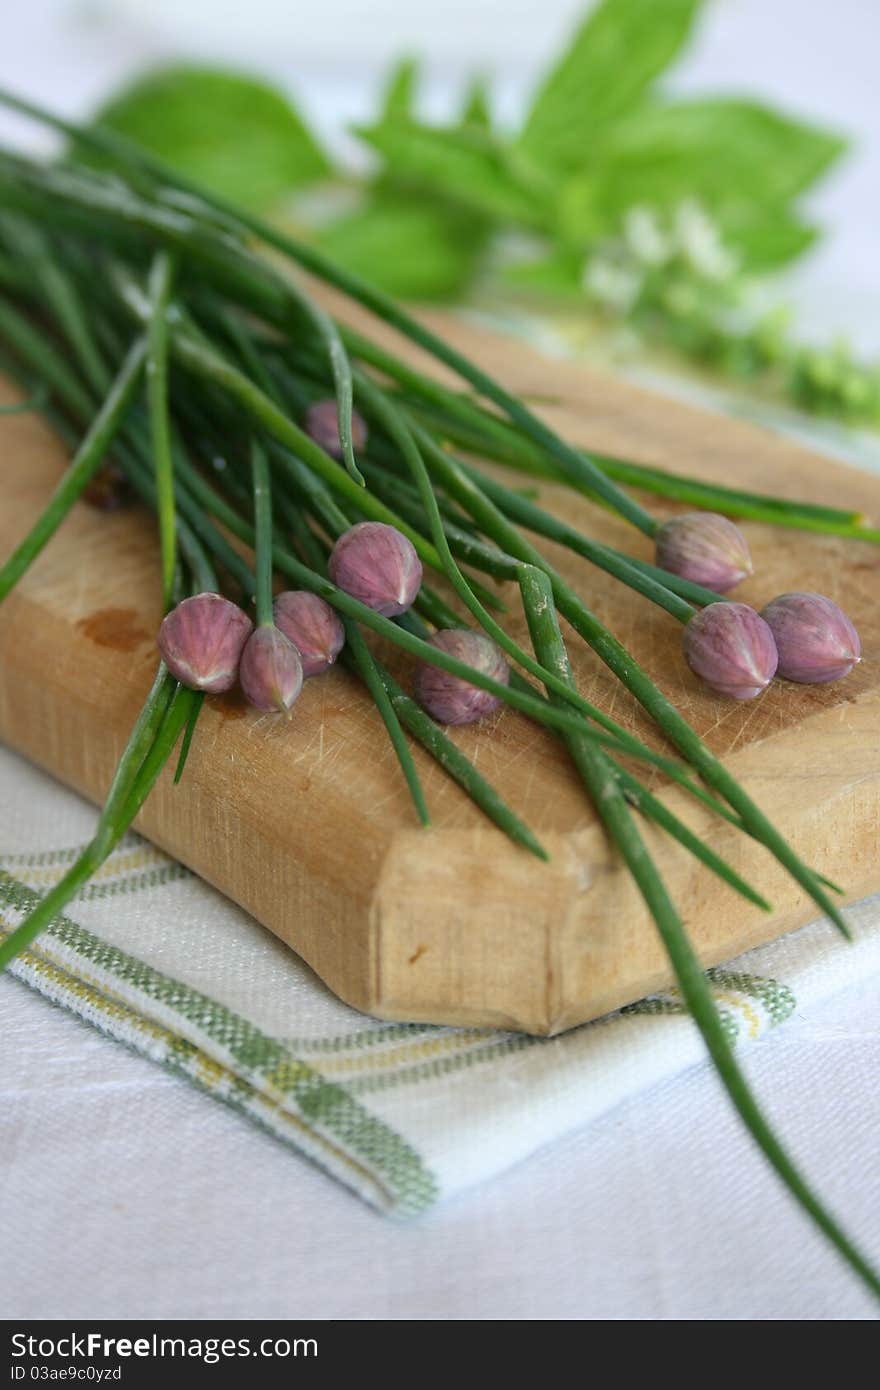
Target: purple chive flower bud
[(705, 548), (731, 647), (322, 423), (271, 672), (450, 699), (201, 642), (314, 628), (816, 640), (378, 565)]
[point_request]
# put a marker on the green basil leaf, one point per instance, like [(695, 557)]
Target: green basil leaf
[(409, 247), (769, 237), (236, 135), (400, 91), (559, 275), (464, 164), (476, 110), (718, 151), (615, 55)]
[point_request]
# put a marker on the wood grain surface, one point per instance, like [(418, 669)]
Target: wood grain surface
[(307, 823)]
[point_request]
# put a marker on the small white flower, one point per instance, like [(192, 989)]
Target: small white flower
[(645, 238), (613, 284), (699, 240), (734, 321)]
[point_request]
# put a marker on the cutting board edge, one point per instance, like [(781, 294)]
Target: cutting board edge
[(371, 952), (563, 921)]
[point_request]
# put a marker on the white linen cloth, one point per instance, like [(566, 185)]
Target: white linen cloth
[(403, 1114)]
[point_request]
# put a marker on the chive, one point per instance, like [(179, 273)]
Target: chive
[(112, 823), (623, 665), (638, 577), (466, 424), (204, 577), (429, 734), (474, 429), (460, 768), (578, 467), (29, 344), (610, 803), (351, 607), (204, 362), (188, 732), (685, 588), (372, 678), (34, 402), (715, 497), (263, 535), (83, 468), (622, 740), (409, 445), (463, 544), (654, 809), (161, 275), (59, 295), (361, 659)]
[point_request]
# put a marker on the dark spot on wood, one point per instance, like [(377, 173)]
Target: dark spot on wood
[(119, 628), (109, 490), (419, 951), (232, 705)]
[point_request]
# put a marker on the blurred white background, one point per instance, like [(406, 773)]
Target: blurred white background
[(815, 58)]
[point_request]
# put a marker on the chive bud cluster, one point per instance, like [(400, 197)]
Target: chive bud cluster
[(736, 651), (208, 643)]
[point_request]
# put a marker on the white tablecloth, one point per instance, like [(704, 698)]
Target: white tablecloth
[(660, 1210)]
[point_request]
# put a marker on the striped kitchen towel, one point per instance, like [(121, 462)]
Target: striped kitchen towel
[(404, 1114)]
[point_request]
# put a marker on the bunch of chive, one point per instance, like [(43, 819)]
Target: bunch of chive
[(170, 279)]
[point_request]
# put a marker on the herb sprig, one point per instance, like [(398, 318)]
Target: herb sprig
[(613, 201)]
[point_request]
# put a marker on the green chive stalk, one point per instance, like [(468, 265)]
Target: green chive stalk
[(163, 715), (627, 670), (83, 468), (578, 467), (161, 276), (263, 534), (35, 402), (59, 294), (461, 421), (609, 799)]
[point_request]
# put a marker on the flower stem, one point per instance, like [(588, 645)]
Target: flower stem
[(83, 468), (460, 768), (112, 822), (263, 534), (161, 276), (371, 675), (577, 466), (636, 577), (627, 670), (610, 802), (34, 402)]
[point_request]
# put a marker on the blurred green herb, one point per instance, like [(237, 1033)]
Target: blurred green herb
[(235, 133), (615, 56), (613, 200)]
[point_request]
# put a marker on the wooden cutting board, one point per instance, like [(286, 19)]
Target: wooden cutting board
[(307, 824)]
